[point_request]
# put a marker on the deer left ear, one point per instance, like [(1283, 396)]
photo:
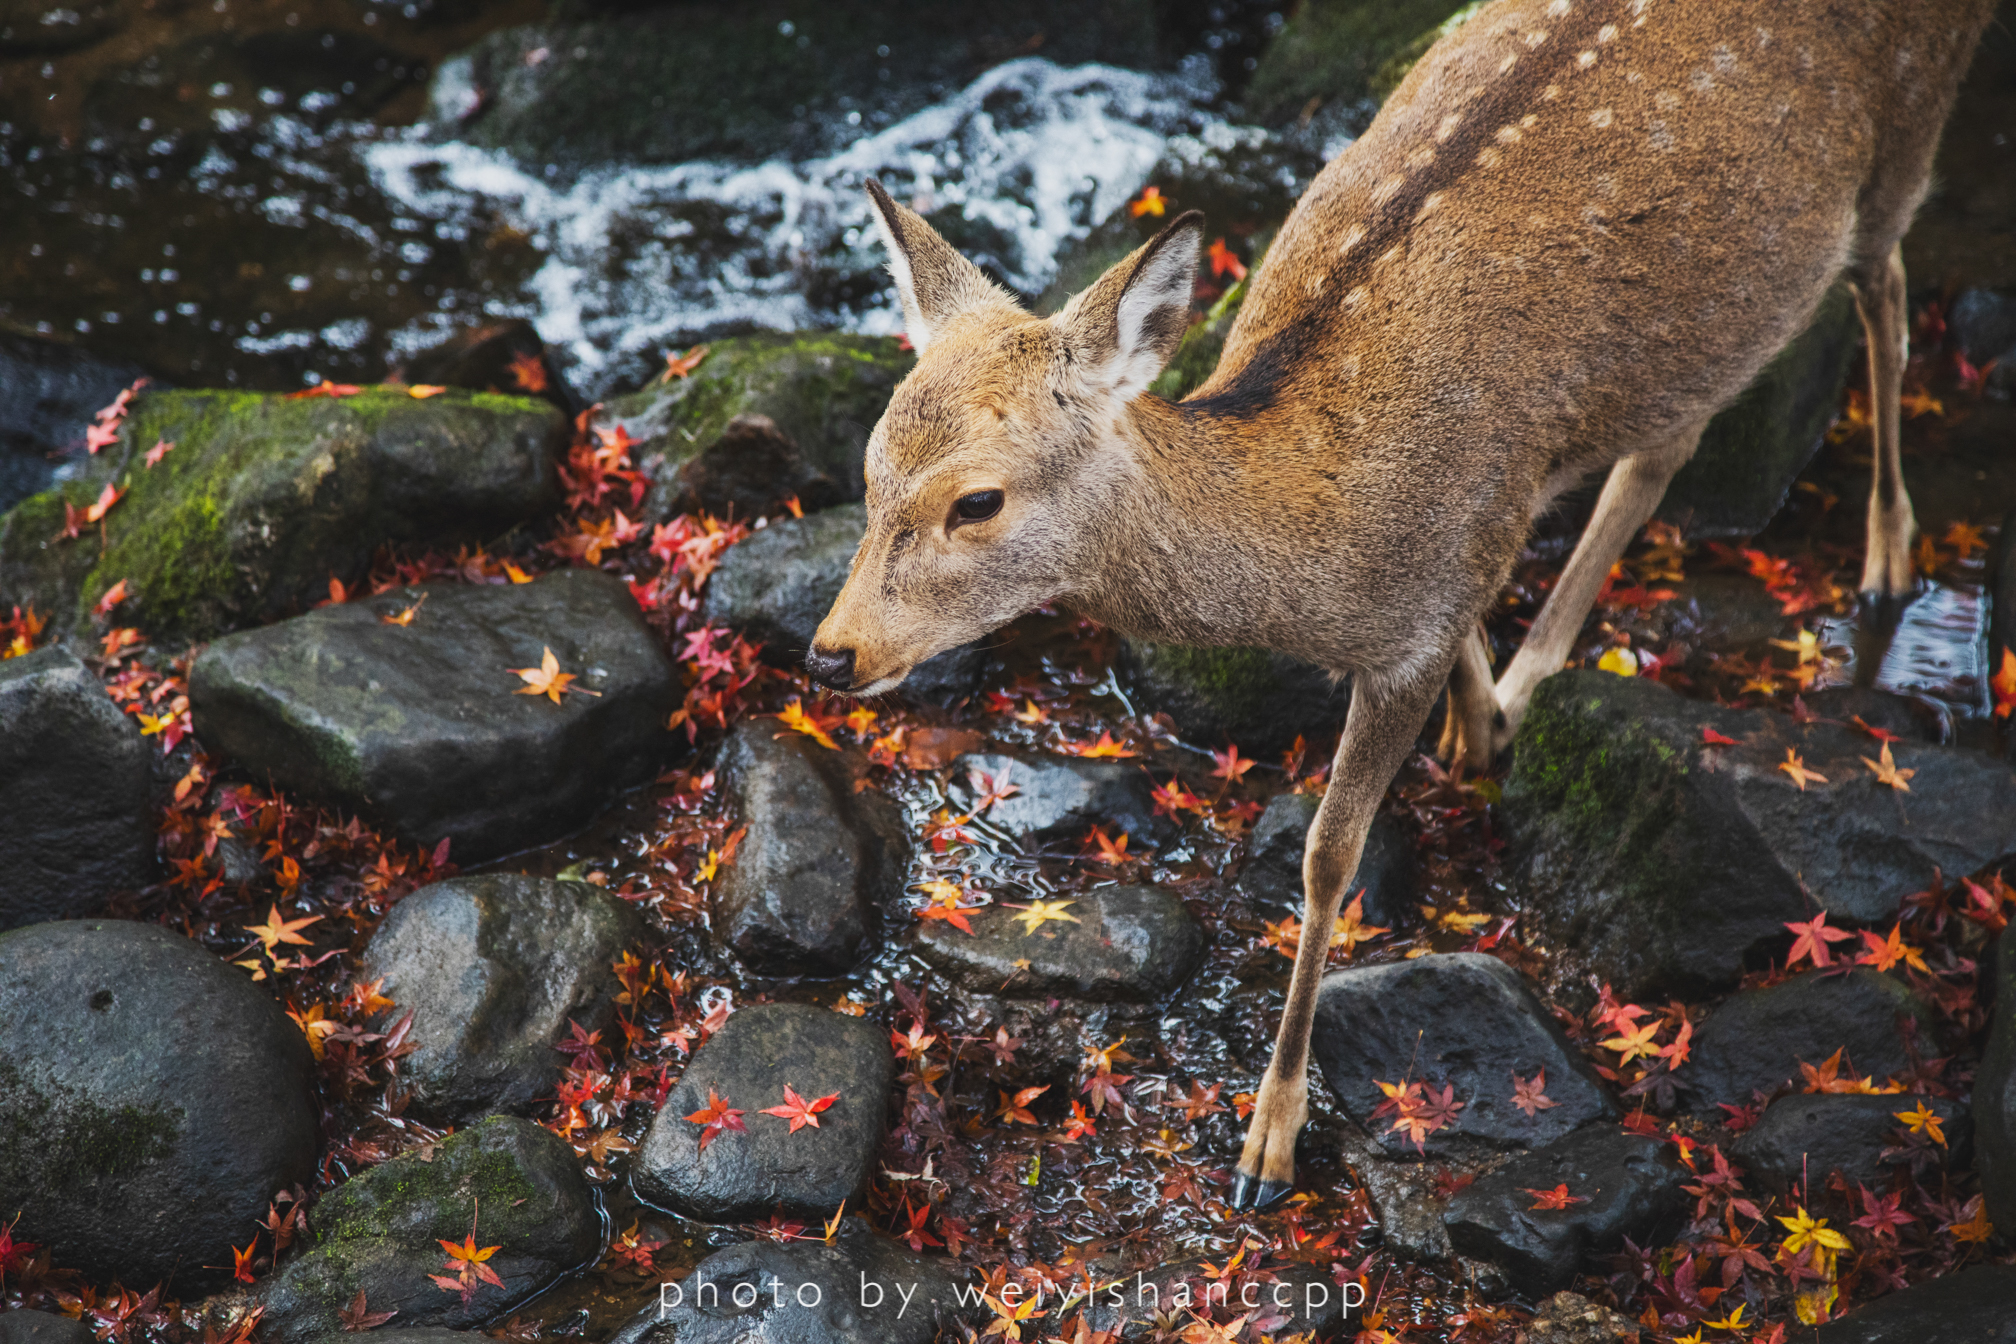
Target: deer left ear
[(934, 283), (1129, 323)]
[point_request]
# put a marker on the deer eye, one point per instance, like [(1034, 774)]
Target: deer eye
[(978, 507)]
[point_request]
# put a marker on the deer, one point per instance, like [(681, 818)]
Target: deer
[(1576, 231)]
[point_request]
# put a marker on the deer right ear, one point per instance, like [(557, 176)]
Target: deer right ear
[(933, 281)]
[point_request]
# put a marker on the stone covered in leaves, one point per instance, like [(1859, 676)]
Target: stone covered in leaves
[(1387, 872), (777, 586), (506, 1182), (1130, 944), (805, 886), (1973, 1306), (1803, 1139), (1618, 1185), (1059, 797), (263, 498), (1259, 699), (1664, 864), (420, 725), (152, 1100), (1460, 1021), (74, 781), (859, 1286), (747, 1173), (495, 970), (1759, 1039)]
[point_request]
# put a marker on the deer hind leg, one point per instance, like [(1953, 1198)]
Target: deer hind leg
[(1469, 729), (1379, 731), (1886, 572), (1636, 485)]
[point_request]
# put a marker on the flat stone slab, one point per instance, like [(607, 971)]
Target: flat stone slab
[(420, 725), (1129, 944), (1060, 797)]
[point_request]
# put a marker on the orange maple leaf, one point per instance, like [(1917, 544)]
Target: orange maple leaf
[(1151, 201), (682, 366), (1796, 768), (528, 371), (1557, 1198), (547, 679), (2003, 683), (1224, 261), (716, 1116)]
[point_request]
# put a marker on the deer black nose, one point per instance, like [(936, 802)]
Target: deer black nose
[(832, 669)]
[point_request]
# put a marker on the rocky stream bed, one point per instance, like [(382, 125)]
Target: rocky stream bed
[(433, 900)]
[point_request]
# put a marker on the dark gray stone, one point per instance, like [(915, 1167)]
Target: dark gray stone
[(74, 780), (1803, 1138), (919, 1295), (517, 1185), (1664, 865), (747, 1175), (41, 1327), (480, 359), (1256, 698), (1631, 1186), (419, 725), (1907, 717), (493, 969), (1994, 1098), (1756, 1041), (1388, 873), (1456, 1019), (819, 860), (1129, 945), (1060, 797), (777, 587), (49, 394), (1974, 1306), (1982, 323), (106, 1101)]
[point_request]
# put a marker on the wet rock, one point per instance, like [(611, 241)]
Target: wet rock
[(1060, 797), (104, 1104), (74, 779), (859, 1289), (1751, 452), (1460, 1020), (747, 1175), (1387, 872), (1664, 865), (1331, 50), (1128, 1306), (779, 584), (800, 408), (41, 1327), (33, 27), (1974, 1306), (2001, 582), (819, 860), (264, 498), (493, 969), (1757, 1039), (1630, 1185), (1127, 945), (1914, 719), (1994, 1098), (1804, 1138), (1259, 699), (745, 88), (49, 394), (419, 725), (1568, 1318), (1982, 324), (503, 357), (517, 1185), (1718, 613)]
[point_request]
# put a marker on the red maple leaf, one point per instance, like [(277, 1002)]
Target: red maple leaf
[(714, 1117), (1715, 739), (799, 1111), (1531, 1096), (1814, 935), (1557, 1198)]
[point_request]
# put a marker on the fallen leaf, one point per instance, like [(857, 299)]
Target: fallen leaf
[(422, 391), (547, 679), (799, 1111), (1887, 771), (1796, 768), (1557, 1198)]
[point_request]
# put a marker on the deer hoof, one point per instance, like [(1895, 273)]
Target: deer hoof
[(1257, 1193)]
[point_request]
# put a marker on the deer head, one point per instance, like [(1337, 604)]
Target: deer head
[(1000, 457)]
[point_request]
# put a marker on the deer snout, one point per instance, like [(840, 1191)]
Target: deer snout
[(831, 668)]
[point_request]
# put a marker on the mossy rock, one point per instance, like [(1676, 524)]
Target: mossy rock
[(1338, 51), (762, 418), (265, 498), (513, 1184), (1258, 698)]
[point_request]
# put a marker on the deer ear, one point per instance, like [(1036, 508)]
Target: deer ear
[(933, 281), (1128, 324)]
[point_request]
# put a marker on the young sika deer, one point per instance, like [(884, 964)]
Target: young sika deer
[(1577, 230)]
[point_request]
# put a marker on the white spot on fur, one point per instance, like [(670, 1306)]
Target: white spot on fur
[(1529, 121), (1763, 38), (1723, 60), (1352, 238), (1607, 33), (1508, 62), (1665, 100), (1536, 37), (1557, 9), (1448, 126), (1550, 93), (1357, 296), (1701, 82), (1508, 135), (1420, 159), (1659, 137), (1601, 118), (1585, 59), (1433, 199), (1388, 189), (1487, 157)]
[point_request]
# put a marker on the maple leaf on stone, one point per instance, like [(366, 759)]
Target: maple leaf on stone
[(161, 449), (1038, 913), (1813, 937), (1634, 1042), (1111, 851), (1229, 765), (422, 391), (682, 366), (1884, 952), (1530, 1095), (1557, 1198), (1796, 768), (404, 616), (799, 1111), (715, 1117), (469, 1265), (547, 679), (1887, 772), (1104, 748), (358, 1316), (1922, 1119), (1975, 1228)]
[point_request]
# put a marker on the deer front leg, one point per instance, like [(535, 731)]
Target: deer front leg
[(1886, 569), (1636, 485), (1379, 731)]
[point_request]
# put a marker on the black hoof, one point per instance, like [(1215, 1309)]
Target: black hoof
[(1259, 1195)]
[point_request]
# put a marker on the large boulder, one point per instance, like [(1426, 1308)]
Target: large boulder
[(74, 781), (766, 1167), (507, 1182), (152, 1100), (1803, 1139), (1113, 945), (264, 498), (1974, 1306), (1665, 864), (778, 585), (421, 725), (1387, 877), (41, 1327), (820, 860), (858, 1288), (494, 970), (1457, 1020), (1257, 698)]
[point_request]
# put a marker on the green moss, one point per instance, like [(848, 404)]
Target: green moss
[(1332, 51), (478, 1172), (52, 1137)]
